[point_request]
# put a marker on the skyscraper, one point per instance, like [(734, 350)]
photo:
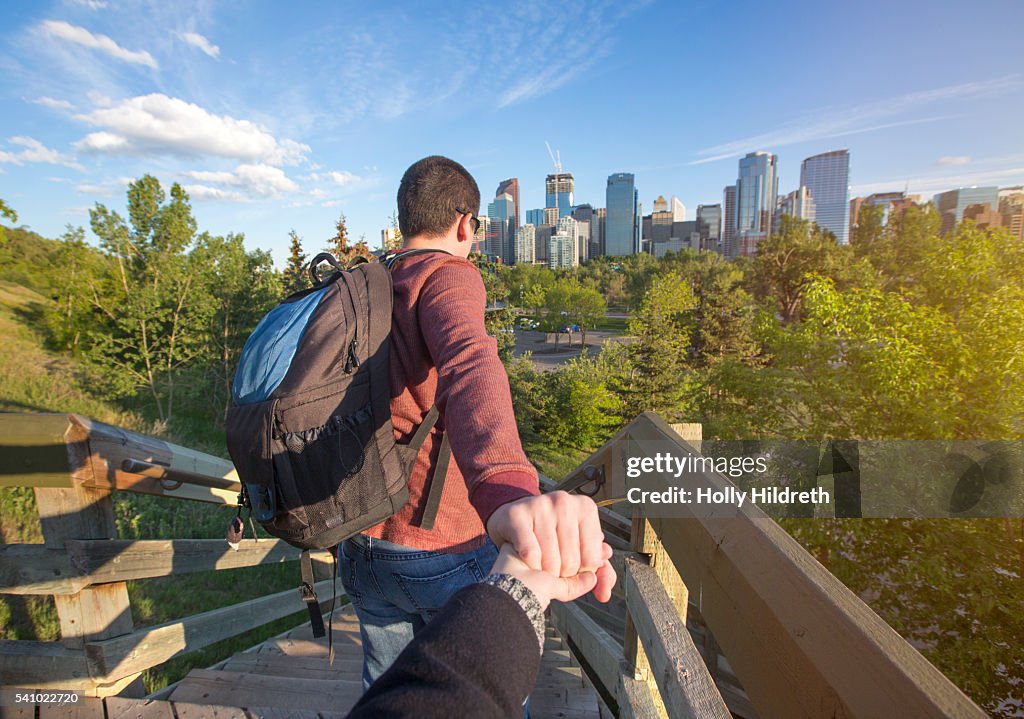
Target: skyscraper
[(511, 187), (951, 205), (564, 244), (709, 227), (827, 176), (678, 210), (558, 189), (757, 188), (500, 238), (535, 217), (621, 229), (584, 214), (799, 203), (526, 249), (729, 222)]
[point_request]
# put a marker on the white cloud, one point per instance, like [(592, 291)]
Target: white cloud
[(839, 122), (250, 180), (197, 40), (205, 192), (928, 185), (330, 203), (52, 103), (91, 4), (34, 151), (342, 178), (98, 98), (80, 36), (105, 188), (158, 124), (954, 160)]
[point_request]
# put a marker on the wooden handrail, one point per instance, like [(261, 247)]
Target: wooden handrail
[(800, 642), (65, 450), (73, 463)]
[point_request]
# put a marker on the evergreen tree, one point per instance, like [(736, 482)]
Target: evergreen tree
[(295, 276)]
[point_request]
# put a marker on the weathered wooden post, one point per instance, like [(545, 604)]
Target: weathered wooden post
[(74, 511)]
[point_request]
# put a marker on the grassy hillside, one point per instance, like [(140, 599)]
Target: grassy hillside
[(33, 379)]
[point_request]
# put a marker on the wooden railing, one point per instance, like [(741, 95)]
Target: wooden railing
[(73, 464), (797, 640), (777, 634)]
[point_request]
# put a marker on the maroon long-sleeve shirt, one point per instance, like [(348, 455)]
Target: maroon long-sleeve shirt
[(440, 352)]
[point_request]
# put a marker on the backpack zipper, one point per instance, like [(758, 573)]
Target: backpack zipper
[(353, 356)]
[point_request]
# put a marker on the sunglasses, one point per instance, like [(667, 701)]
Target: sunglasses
[(472, 218)]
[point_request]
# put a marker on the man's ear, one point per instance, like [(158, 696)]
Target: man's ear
[(464, 230)]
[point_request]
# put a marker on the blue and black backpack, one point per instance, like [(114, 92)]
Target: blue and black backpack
[(310, 429)]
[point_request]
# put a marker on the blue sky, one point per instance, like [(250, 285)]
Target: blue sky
[(281, 115)]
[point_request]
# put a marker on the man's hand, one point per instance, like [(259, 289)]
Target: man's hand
[(557, 533)]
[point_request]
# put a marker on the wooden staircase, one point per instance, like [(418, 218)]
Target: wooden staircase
[(289, 676)]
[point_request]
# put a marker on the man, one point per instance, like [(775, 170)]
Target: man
[(399, 574)]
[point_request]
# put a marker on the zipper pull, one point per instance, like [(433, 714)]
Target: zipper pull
[(353, 358)]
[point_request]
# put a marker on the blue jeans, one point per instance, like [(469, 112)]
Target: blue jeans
[(396, 590)]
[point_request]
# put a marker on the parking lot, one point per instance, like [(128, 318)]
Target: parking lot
[(542, 345)]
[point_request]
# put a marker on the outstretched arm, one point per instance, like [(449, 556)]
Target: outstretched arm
[(482, 650)]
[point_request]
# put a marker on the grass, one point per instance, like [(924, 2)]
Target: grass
[(616, 325), (33, 379)]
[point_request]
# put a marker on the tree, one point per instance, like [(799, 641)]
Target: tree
[(338, 245), (658, 377), (393, 239), (10, 214), (557, 303), (296, 276), (586, 307), (146, 323), (787, 259), (238, 288)]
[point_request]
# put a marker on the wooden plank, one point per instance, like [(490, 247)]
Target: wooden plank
[(601, 653), (43, 665), (801, 643), (253, 690), (37, 569), (121, 708), (635, 700), (86, 513), (18, 711), (33, 452), (686, 688), (189, 710), (149, 647), (84, 708), (119, 559), (345, 667)]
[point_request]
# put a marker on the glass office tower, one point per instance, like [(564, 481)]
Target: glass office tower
[(558, 189), (827, 176), (621, 227), (757, 189)]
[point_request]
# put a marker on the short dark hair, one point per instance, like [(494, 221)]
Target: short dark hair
[(430, 191)]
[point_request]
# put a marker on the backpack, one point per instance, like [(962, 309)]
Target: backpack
[(309, 429)]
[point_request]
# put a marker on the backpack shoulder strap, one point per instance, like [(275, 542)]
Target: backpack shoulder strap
[(392, 258)]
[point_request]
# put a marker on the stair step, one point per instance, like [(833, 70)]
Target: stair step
[(240, 689), (283, 665)]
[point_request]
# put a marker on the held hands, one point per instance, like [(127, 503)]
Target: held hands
[(543, 585), (558, 534)]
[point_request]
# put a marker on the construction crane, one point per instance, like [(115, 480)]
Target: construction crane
[(556, 158)]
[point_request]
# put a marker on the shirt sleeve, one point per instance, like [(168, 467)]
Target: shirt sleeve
[(472, 388), (479, 652)]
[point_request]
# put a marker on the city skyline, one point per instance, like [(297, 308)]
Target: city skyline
[(277, 118)]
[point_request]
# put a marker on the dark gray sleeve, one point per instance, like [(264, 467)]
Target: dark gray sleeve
[(478, 657)]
